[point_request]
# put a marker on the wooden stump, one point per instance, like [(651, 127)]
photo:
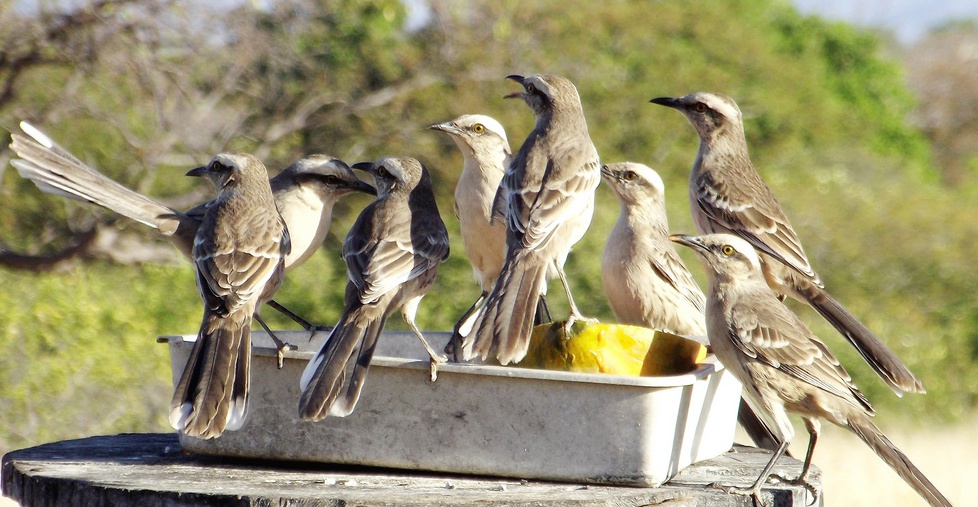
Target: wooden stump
[(152, 470)]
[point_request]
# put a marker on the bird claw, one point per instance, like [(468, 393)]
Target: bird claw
[(798, 481), (754, 493), (283, 347), (572, 319), (433, 365)]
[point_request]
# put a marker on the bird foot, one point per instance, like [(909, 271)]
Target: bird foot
[(282, 348), (753, 492), (798, 481), (572, 319), (433, 365)]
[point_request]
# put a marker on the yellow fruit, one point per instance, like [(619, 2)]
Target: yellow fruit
[(611, 348)]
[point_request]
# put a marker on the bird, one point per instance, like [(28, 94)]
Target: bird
[(486, 155), (645, 280), (546, 199), (727, 195), (239, 257), (305, 193), (783, 367), (392, 254)]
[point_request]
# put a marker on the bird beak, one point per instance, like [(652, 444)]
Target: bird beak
[(519, 79), (448, 126), (363, 166), (198, 171), (363, 186), (606, 173), (666, 101), (690, 241)]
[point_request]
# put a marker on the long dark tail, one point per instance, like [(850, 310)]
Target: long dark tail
[(332, 381), (506, 321), (886, 364), (868, 432), (212, 395)]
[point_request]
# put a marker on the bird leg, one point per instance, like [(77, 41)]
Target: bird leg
[(280, 345), (408, 310), (575, 314), (755, 489), (813, 427), (308, 326)]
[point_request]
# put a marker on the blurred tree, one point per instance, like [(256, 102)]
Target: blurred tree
[(942, 70)]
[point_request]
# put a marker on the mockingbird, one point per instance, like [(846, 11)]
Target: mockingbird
[(304, 193), (546, 198), (392, 254), (728, 196), (239, 255), (486, 155), (782, 365), (646, 281)]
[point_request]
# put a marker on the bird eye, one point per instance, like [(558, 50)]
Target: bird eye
[(530, 88), (333, 180), (478, 128), (727, 250), (700, 107), (382, 172), (629, 176), (219, 167)]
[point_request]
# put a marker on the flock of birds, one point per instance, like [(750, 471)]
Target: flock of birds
[(519, 216)]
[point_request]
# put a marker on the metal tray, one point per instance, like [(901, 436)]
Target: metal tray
[(484, 419)]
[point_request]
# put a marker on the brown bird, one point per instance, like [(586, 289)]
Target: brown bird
[(239, 255), (305, 193), (546, 198), (727, 195), (392, 254), (782, 365)]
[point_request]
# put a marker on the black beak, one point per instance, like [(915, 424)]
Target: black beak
[(666, 101), (690, 241), (363, 186), (198, 171), (519, 79), (363, 166)]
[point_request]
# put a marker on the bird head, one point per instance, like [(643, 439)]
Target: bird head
[(229, 169), (707, 112), (546, 92), (327, 176), (725, 256), (394, 173), (476, 134), (636, 184)]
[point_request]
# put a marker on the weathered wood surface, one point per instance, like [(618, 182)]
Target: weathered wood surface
[(151, 470)]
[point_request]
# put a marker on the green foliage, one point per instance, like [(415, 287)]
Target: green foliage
[(79, 351), (825, 115)]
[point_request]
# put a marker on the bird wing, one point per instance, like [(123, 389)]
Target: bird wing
[(750, 210), (545, 193), (772, 334), (671, 269), (382, 255), (230, 272)]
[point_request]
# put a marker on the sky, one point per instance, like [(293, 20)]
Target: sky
[(909, 20)]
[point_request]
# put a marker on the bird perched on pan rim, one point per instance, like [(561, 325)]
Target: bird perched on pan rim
[(392, 254), (239, 256), (546, 199), (486, 155)]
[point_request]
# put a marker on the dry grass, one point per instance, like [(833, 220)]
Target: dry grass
[(854, 476)]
